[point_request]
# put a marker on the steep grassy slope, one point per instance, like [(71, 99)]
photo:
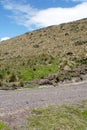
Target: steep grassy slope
[(44, 49)]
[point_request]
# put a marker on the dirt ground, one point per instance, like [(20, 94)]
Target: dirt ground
[(15, 106)]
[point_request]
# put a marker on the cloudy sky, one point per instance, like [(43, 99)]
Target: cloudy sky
[(18, 17)]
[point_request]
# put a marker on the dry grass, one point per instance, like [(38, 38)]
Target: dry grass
[(43, 47), (54, 40)]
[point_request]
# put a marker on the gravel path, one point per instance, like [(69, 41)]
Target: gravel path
[(14, 105)]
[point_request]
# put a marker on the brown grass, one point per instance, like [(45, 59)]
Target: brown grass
[(53, 40)]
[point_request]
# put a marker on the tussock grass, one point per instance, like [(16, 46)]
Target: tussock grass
[(42, 52)]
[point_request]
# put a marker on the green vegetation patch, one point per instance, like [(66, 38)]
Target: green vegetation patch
[(3, 126), (38, 72), (58, 118), (40, 67), (36, 68), (85, 114)]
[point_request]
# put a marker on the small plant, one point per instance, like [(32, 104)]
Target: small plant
[(1, 76), (3, 126), (1, 83), (13, 77), (36, 46), (77, 43), (66, 34)]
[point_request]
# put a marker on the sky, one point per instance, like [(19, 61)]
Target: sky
[(20, 16)]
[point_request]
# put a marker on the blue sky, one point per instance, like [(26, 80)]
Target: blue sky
[(18, 17)]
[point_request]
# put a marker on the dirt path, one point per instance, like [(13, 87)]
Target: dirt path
[(15, 105)]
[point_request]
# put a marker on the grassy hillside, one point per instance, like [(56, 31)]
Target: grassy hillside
[(42, 52)]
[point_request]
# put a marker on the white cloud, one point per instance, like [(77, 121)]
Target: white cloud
[(78, 0), (4, 38), (33, 18), (60, 15), (21, 12)]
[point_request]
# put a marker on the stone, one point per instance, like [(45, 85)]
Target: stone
[(67, 68), (5, 87), (45, 82)]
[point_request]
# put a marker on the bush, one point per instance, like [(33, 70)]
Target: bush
[(1, 83), (80, 43), (13, 78), (36, 46)]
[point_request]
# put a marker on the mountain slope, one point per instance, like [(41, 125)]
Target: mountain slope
[(67, 41), (53, 40)]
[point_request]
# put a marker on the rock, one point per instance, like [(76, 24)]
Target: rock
[(4, 87), (52, 76), (76, 79), (45, 82), (84, 77), (66, 81), (14, 86), (67, 68)]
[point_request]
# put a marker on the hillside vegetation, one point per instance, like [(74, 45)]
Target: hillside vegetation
[(40, 53)]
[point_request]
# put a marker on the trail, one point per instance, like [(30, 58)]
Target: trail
[(15, 105)]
